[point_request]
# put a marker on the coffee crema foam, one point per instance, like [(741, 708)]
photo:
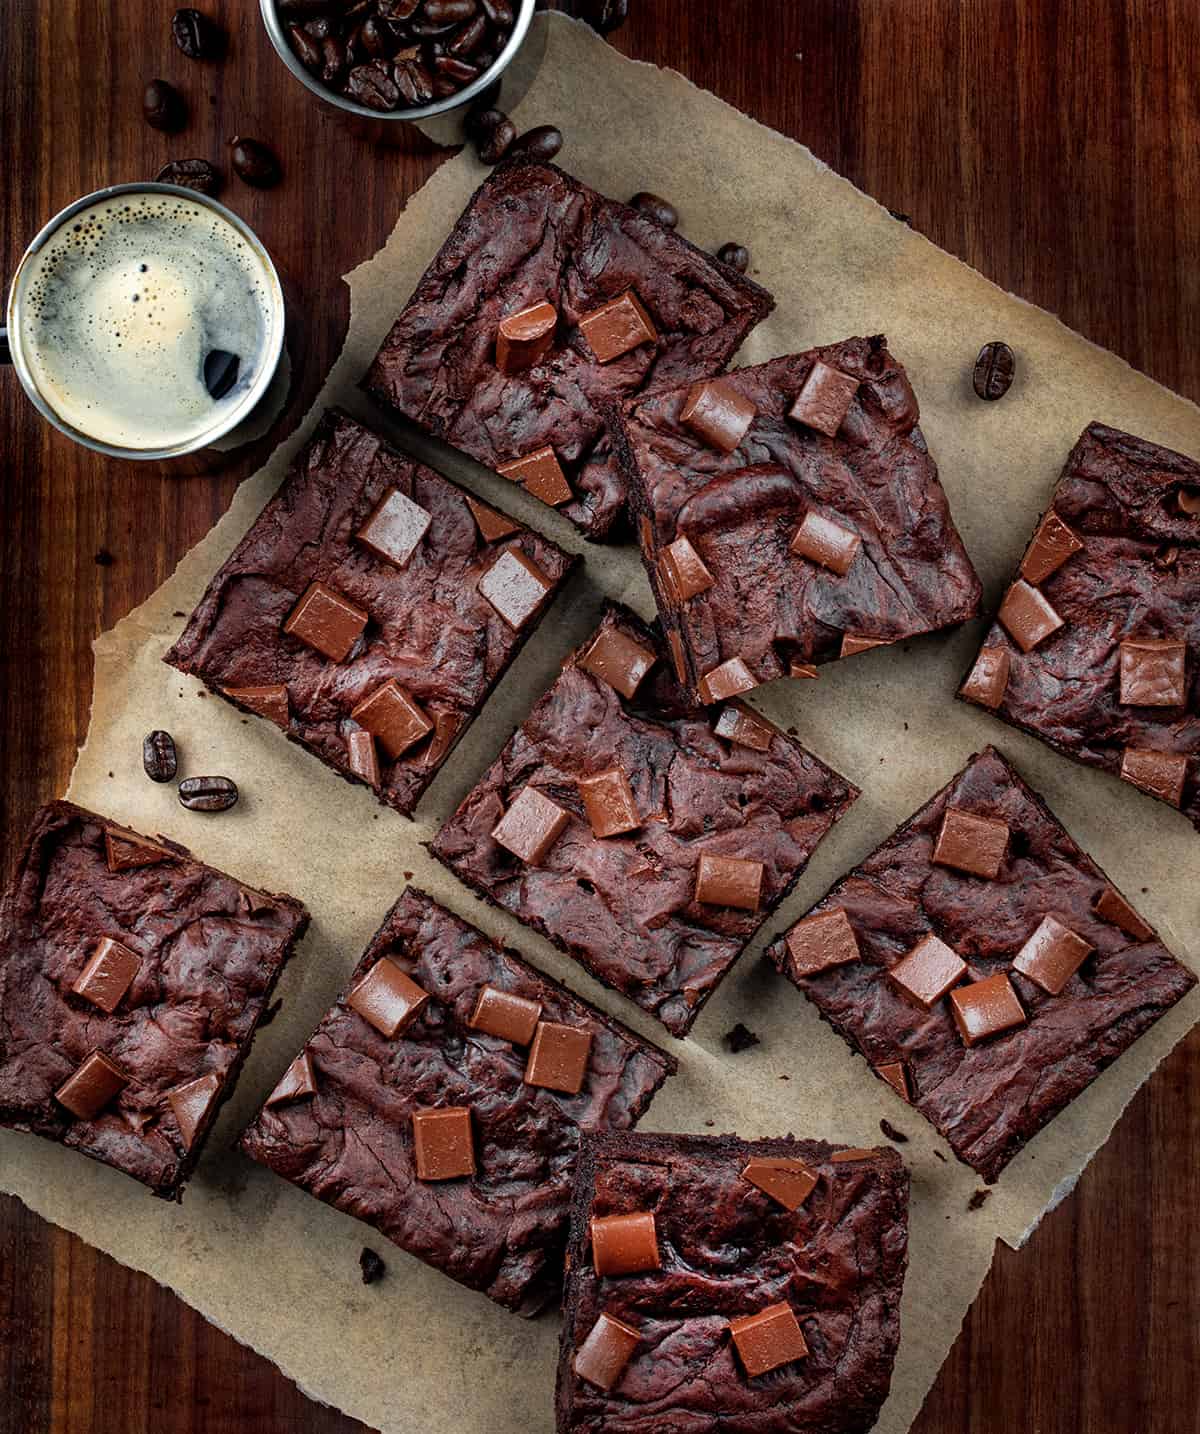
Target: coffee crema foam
[(120, 308)]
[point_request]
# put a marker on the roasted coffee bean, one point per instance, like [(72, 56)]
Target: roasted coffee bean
[(541, 143), (369, 1262), (195, 174), (653, 206), (737, 256), (994, 370), (375, 39), (413, 80), (197, 36), (163, 107), (308, 50), (469, 38), (320, 29), (254, 163), (333, 59), (397, 9), (208, 794), (493, 144), (372, 85), (481, 122), (303, 7), (449, 12), (159, 757), (452, 68), (484, 60), (499, 12)]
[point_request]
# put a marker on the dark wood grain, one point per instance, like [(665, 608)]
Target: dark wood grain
[(1054, 144)]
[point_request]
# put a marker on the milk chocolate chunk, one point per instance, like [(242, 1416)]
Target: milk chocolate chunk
[(617, 327), (506, 1016), (1153, 672), (391, 716), (854, 643), (787, 1181), (684, 570), (602, 1357), (1052, 955), (826, 542), (394, 530), (716, 412), (125, 851), (1027, 616), (492, 525), (296, 1083), (531, 826), (929, 970), (768, 1339), (617, 659), (558, 1058), (327, 622), (1053, 543), (269, 701), (896, 1075), (804, 670), (728, 680), (625, 1244), (442, 1143), (526, 337), (609, 804), (678, 660), (516, 587), (989, 677), (1111, 906), (729, 881), (539, 473), (95, 1084), (852, 1156), (1161, 774), (362, 756), (738, 724), (825, 399), (973, 844), (190, 1104), (387, 998), (820, 942), (108, 974), (986, 1008)]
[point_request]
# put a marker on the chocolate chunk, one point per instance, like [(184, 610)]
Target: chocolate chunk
[(1052, 955), (1053, 543), (896, 1075), (851, 1156), (892, 1133), (516, 587), (716, 412), (327, 622), (1111, 906), (362, 756), (394, 530), (296, 1083), (270, 701), (1027, 616), (108, 974), (387, 998), (678, 661), (539, 473), (994, 369), (788, 1182), (729, 881), (372, 1267), (738, 724), (820, 942), (391, 716), (505, 1015), (826, 542), (728, 680), (804, 670), (1161, 774), (986, 1008), (989, 677), (683, 571), (740, 1038), (617, 327), (617, 659), (625, 1244), (526, 337), (491, 524), (768, 1339), (442, 1143), (1153, 672), (125, 851), (602, 1357), (928, 971), (973, 844), (531, 826), (825, 399), (609, 804), (190, 1104), (558, 1057), (853, 644), (95, 1084)]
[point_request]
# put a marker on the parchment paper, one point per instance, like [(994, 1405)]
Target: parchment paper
[(280, 1270)]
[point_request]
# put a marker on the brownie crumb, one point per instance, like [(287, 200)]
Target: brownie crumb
[(741, 1038), (979, 1199), (408, 876), (270, 1013), (892, 1133), (372, 1266), (104, 559)]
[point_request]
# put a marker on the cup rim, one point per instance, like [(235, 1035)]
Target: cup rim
[(250, 399)]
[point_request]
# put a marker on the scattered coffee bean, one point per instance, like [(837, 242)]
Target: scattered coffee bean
[(481, 122), (496, 142), (158, 756), (254, 163), (979, 1199), (372, 1266), (197, 36), (892, 1133), (163, 107), (195, 174), (739, 1039), (737, 256), (541, 143), (662, 211), (994, 370), (208, 794)]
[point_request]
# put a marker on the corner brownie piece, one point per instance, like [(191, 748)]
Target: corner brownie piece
[(442, 1098), (644, 837), (547, 301), (718, 1283), (132, 978), (370, 610), (789, 514), (985, 967), (1096, 647)]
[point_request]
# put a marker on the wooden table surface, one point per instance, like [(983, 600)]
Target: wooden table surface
[(1053, 144)]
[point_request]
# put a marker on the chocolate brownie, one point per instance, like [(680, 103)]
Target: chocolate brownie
[(717, 1283), (1096, 647), (370, 610), (442, 1098), (646, 838), (547, 301), (790, 514), (132, 978), (986, 968)]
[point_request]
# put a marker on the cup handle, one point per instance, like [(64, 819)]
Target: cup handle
[(5, 351)]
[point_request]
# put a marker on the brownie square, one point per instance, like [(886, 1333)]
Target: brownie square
[(533, 234), (730, 1252), (310, 625), (812, 546), (982, 963), (342, 1122), (720, 829), (1096, 648), (132, 978)]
